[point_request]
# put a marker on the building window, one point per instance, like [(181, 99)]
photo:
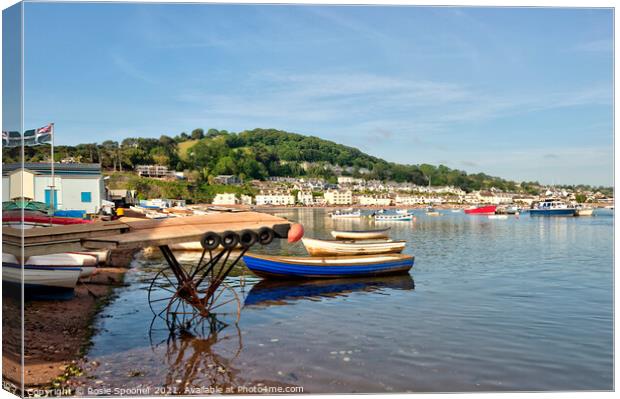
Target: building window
[(86, 196)]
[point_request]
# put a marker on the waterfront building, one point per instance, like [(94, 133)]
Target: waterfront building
[(275, 199), (305, 198), (77, 186), (246, 199), (225, 199), (374, 200), (336, 197)]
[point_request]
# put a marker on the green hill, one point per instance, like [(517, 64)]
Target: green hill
[(259, 154)]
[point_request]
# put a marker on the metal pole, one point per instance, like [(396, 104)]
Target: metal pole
[(53, 185)]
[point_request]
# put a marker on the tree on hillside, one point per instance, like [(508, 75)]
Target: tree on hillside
[(198, 134)]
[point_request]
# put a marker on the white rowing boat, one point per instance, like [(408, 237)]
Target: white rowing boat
[(317, 247), (87, 263), (500, 217), (39, 277), (360, 234)]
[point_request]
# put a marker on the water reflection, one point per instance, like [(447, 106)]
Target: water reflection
[(189, 358), (273, 292)]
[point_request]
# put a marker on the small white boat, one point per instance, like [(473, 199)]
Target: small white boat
[(360, 234), (584, 211), (37, 278), (498, 217), (157, 215), (346, 215), (455, 210), (394, 218), (138, 209), (87, 263), (317, 247), (433, 213), (402, 211)]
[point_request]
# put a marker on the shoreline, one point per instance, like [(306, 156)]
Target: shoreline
[(57, 332)]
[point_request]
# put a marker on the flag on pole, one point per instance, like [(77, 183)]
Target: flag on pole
[(44, 134), (11, 139)]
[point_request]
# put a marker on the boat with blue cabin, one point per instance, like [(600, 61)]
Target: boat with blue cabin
[(552, 207)]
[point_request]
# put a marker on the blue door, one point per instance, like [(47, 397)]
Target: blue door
[(48, 198)]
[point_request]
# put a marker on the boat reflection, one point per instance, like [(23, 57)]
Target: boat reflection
[(276, 292)]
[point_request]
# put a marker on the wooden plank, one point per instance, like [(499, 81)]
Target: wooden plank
[(167, 235), (178, 230)]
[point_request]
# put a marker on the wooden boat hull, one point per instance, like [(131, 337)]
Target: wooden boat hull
[(482, 210), (349, 248), (360, 234), (328, 267)]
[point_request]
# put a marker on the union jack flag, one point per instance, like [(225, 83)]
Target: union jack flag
[(44, 134)]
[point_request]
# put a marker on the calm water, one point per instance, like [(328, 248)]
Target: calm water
[(491, 305)]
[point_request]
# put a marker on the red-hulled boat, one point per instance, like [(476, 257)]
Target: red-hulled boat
[(482, 210)]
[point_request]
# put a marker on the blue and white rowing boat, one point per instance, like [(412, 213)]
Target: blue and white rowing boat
[(39, 279), (328, 266)]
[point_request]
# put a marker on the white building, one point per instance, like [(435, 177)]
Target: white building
[(373, 200), (77, 186), (246, 199), (275, 199), (418, 200), (305, 197), (349, 180), (334, 197), (225, 199)]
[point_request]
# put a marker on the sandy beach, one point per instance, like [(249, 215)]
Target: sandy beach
[(57, 333)]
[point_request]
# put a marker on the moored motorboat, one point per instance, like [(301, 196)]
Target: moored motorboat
[(317, 247), (552, 207), (39, 279), (328, 266), (360, 234), (402, 211), (394, 218), (346, 215), (433, 213), (481, 210), (500, 217)]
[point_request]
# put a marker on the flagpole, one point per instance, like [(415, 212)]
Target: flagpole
[(53, 186)]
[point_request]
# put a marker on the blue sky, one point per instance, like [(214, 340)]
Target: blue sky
[(521, 93)]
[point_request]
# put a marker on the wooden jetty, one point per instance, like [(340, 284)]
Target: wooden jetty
[(132, 233)]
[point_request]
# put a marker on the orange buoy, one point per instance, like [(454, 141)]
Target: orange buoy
[(295, 232)]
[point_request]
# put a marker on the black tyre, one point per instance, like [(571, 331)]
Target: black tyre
[(210, 241), (265, 235), (247, 238), (229, 239)]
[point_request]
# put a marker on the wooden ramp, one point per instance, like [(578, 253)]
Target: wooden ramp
[(135, 233)]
